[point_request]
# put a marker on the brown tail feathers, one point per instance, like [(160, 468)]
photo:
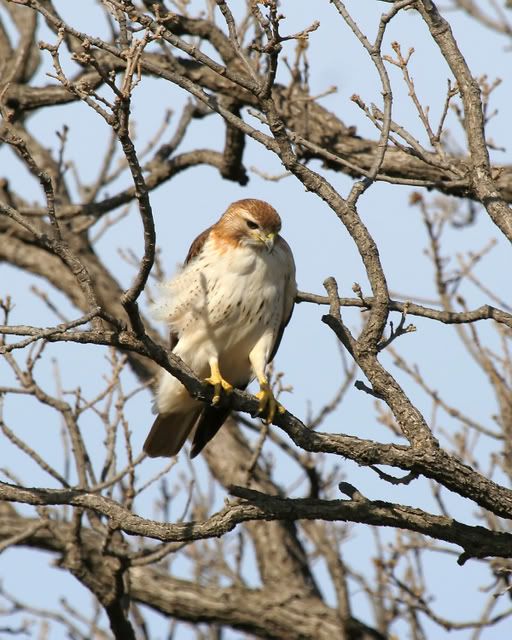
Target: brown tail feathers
[(170, 431), (208, 423)]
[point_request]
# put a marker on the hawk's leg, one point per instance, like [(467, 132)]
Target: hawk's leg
[(268, 404), (259, 357), (217, 381)]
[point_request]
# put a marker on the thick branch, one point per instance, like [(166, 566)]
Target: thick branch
[(483, 185), (477, 542)]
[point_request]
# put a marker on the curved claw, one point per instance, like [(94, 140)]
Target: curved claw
[(219, 384), (268, 404)]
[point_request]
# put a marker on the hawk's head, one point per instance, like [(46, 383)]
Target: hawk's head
[(250, 222)]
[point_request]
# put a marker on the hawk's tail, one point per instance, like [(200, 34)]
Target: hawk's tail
[(170, 430), (209, 422)]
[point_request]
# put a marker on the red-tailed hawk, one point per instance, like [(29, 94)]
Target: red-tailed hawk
[(227, 309)]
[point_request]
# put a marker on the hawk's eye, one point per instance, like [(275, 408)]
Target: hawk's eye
[(251, 224)]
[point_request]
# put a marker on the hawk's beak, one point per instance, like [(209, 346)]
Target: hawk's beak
[(269, 240)]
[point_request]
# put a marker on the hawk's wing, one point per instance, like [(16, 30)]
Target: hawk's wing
[(195, 249), (290, 292), (197, 245)]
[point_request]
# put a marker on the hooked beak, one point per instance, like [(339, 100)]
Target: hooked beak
[(269, 240)]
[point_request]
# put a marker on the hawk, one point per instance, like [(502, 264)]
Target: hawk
[(227, 309)]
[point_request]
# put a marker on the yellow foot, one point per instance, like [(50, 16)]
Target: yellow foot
[(219, 384), (268, 404)]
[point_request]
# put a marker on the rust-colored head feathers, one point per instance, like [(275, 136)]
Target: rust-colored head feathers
[(249, 222), (258, 210)]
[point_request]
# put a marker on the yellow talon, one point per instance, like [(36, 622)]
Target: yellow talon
[(267, 403), (218, 383)]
